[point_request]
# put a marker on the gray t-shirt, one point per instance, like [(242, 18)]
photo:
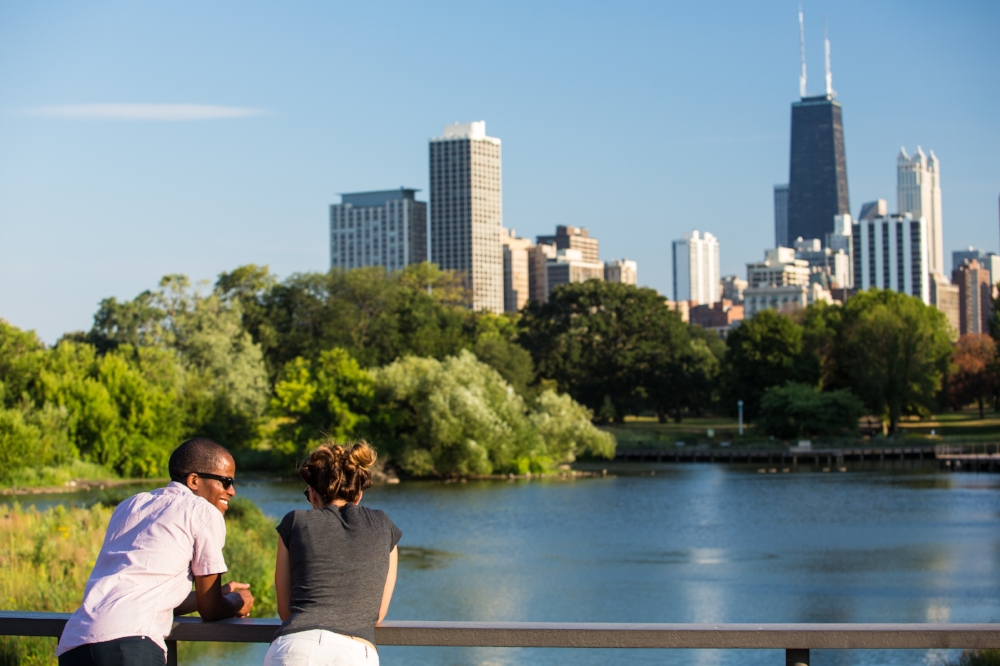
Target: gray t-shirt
[(340, 559)]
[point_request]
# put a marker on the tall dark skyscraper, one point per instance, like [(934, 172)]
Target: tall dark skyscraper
[(817, 173)]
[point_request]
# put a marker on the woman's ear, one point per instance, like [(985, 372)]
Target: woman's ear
[(358, 501)]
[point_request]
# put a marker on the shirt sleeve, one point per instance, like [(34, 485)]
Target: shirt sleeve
[(209, 539), (395, 533), (285, 527)]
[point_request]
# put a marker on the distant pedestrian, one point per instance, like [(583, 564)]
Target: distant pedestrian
[(336, 565), (156, 544)]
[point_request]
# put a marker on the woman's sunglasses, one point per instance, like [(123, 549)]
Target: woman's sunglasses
[(226, 481)]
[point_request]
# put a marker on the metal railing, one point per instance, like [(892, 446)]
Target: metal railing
[(795, 639)]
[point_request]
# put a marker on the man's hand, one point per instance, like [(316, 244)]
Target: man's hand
[(239, 595)]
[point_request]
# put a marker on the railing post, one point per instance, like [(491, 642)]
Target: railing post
[(172, 653), (796, 657)]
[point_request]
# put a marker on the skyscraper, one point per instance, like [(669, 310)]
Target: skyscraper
[(781, 215), (696, 268), (516, 274), (892, 252), (918, 192), (817, 174), (621, 270), (466, 211), (384, 228)]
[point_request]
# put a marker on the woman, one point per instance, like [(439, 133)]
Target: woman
[(336, 565)]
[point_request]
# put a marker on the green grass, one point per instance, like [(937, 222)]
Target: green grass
[(61, 476), (46, 558), (645, 432)]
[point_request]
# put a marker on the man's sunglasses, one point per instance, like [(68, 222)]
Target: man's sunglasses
[(226, 481)]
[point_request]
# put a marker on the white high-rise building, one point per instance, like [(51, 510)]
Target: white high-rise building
[(918, 192), (385, 228), (696, 268), (466, 210), (892, 252)]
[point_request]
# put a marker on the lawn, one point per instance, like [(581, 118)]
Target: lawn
[(646, 432)]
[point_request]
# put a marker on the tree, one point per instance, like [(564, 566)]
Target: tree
[(975, 376), (458, 417), (608, 345), (893, 352), (328, 397), (762, 352), (794, 410)]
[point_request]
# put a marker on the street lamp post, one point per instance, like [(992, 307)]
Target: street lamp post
[(739, 403)]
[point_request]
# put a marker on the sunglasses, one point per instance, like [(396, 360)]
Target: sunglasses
[(306, 493), (226, 481)]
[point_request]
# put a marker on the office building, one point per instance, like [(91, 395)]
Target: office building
[(621, 270), (945, 297), (828, 268), (515, 271), (918, 192), (732, 287), (569, 266), (780, 268), (720, 316), (538, 260), (873, 209), (466, 210), (573, 238), (975, 302), (781, 215), (959, 257), (892, 252), (384, 228), (696, 268), (783, 298), (817, 170)]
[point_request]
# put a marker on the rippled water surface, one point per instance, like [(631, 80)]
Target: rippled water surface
[(692, 543)]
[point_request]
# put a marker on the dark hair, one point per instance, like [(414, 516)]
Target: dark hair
[(336, 472), (195, 455)]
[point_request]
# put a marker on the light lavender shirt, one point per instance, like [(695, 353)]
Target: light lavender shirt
[(156, 543)]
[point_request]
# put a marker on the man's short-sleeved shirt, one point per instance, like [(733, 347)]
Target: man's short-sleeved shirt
[(156, 543)]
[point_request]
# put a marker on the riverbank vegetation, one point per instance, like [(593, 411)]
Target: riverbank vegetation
[(46, 558), (271, 367)]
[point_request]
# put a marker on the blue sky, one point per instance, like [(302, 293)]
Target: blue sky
[(639, 121)]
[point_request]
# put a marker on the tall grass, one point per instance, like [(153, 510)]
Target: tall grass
[(46, 558)]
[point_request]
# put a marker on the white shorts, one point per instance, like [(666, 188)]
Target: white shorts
[(318, 647)]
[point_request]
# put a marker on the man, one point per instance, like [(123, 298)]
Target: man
[(156, 543)]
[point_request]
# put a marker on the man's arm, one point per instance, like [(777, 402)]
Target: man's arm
[(190, 604), (214, 603)]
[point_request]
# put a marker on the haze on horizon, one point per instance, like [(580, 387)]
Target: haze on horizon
[(140, 141)]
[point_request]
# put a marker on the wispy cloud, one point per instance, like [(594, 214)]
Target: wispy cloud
[(169, 112)]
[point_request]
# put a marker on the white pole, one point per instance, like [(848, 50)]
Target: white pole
[(739, 404)]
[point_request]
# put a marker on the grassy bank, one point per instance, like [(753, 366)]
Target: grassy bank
[(46, 558), (645, 432)]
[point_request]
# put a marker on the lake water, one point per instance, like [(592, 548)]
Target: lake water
[(692, 543)]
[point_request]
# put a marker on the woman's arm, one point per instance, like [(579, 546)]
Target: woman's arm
[(283, 581), (390, 583)]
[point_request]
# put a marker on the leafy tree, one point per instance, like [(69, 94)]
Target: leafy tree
[(762, 352), (893, 352), (21, 353), (328, 397), (616, 348), (794, 410), (975, 377), (458, 417)]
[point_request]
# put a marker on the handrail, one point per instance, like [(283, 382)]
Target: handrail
[(795, 639)]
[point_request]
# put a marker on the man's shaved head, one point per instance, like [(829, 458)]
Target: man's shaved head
[(196, 455)]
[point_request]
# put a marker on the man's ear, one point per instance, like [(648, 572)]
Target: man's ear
[(191, 481)]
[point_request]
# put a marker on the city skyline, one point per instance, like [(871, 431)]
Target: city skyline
[(108, 182)]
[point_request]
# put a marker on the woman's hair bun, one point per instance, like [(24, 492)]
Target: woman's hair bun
[(336, 472)]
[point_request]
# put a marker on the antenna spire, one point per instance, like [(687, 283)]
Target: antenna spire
[(826, 48), (802, 53)]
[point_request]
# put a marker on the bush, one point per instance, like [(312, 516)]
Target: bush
[(795, 410)]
